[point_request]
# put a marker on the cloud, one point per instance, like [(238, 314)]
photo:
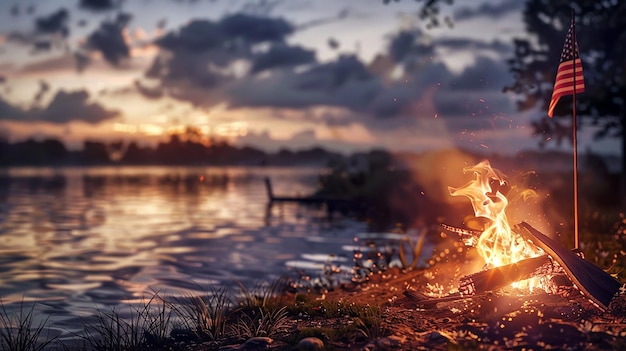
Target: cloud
[(230, 33), (74, 106), (206, 64), (49, 31), (98, 5), (148, 92), (64, 107), (462, 44), (281, 55), (477, 90), (488, 9), (255, 29), (344, 82), (109, 40), (54, 23), (485, 74), (199, 59), (44, 87), (197, 36)]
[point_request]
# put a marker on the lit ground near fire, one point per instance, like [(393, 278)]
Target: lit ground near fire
[(505, 319)]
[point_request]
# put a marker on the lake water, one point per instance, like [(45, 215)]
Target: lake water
[(79, 239)]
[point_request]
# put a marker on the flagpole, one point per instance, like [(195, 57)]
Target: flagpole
[(574, 137)]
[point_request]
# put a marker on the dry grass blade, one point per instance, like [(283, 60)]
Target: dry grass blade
[(262, 294), (370, 322), (18, 332), (416, 250), (205, 315), (144, 328), (261, 323)]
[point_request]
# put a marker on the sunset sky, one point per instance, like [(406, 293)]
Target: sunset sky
[(344, 74)]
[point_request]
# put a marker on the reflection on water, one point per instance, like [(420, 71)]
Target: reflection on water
[(76, 239)]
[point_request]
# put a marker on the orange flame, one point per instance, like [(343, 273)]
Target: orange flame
[(498, 245)]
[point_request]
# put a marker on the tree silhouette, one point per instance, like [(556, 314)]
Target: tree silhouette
[(601, 34), (430, 12)]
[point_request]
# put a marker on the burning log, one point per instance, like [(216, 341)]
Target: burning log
[(468, 237), (591, 280), (492, 279), (499, 277), (518, 253)]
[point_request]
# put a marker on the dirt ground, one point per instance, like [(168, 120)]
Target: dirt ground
[(505, 319), (500, 320)]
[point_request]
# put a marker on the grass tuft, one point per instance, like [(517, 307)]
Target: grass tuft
[(18, 332), (146, 327), (263, 295), (369, 322), (206, 316), (261, 323)]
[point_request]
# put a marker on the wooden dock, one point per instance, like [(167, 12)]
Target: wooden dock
[(332, 202)]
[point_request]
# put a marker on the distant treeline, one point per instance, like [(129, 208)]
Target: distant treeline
[(176, 151)]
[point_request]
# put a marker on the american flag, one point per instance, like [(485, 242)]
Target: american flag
[(564, 83)]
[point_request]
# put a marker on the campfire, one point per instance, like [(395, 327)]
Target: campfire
[(517, 255)]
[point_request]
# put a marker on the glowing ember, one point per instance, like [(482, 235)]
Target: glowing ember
[(498, 245)]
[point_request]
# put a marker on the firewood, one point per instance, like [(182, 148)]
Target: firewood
[(591, 280), (499, 277)]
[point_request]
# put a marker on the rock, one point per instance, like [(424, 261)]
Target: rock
[(388, 343), (256, 344), (310, 344)]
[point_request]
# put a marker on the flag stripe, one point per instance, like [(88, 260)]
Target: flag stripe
[(569, 75)]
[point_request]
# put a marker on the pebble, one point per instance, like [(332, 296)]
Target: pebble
[(311, 344), (388, 343), (252, 344)]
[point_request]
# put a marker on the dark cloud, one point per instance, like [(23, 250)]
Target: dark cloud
[(255, 29), (485, 74), (15, 10), (64, 107), (235, 32), (98, 5), (333, 43), (196, 62), (336, 73), (281, 55), (162, 23), (148, 92), (479, 105), (477, 90), (75, 106), (401, 45), (50, 31), (341, 15), (470, 44), (343, 82), (108, 39), (54, 23), (197, 58), (489, 9), (197, 36), (41, 46), (411, 49), (81, 61), (44, 87), (8, 111)]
